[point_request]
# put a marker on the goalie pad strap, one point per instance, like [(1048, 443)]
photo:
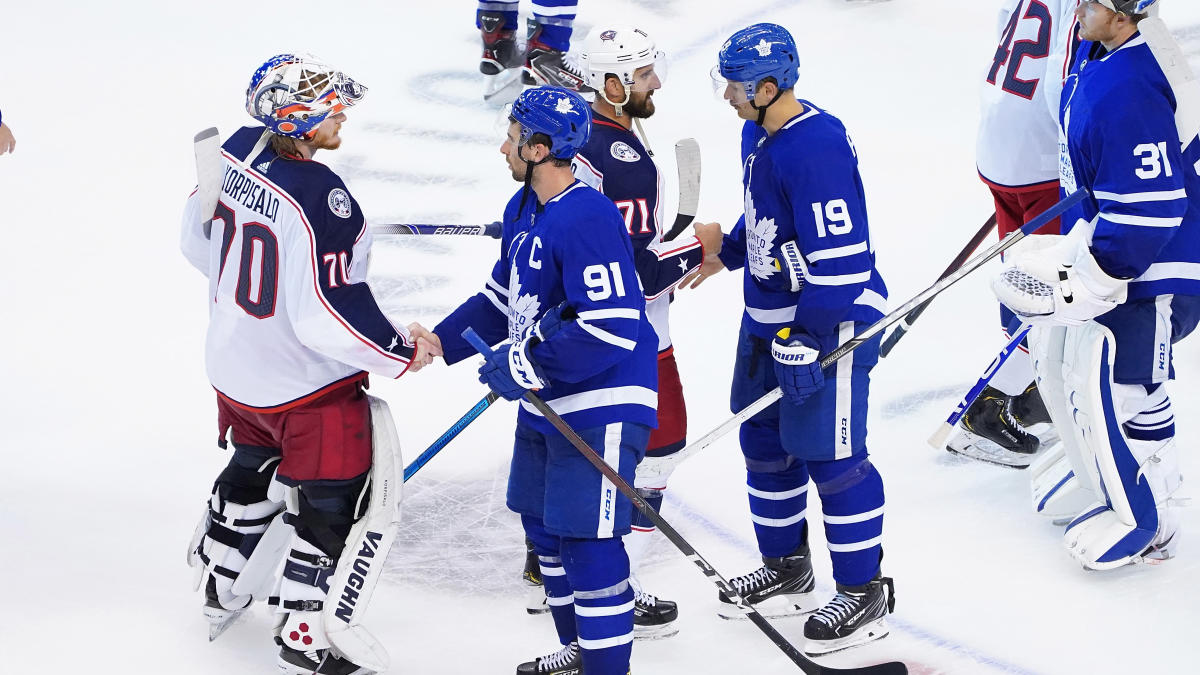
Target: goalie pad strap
[(316, 577), (241, 522), (296, 605)]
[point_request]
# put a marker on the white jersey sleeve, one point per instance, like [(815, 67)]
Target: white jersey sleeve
[(1018, 132)]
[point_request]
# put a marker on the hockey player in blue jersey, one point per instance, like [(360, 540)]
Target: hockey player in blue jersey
[(1111, 297), (564, 298), (544, 60), (810, 284), (625, 68)]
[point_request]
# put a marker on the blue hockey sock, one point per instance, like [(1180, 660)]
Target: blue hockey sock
[(778, 504), (554, 578), (851, 492), (555, 17), (599, 573), (508, 9)]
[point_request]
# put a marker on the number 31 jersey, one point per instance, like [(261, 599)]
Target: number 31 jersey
[(1018, 130), (290, 313)]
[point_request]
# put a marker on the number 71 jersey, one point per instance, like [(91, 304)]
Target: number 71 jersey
[(1018, 130), (290, 312)]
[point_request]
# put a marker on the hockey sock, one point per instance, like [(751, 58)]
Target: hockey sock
[(554, 579), (1015, 374), (778, 504), (642, 533), (555, 17), (598, 570), (851, 493), (327, 512), (508, 9)]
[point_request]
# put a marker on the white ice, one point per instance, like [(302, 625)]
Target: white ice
[(108, 422)]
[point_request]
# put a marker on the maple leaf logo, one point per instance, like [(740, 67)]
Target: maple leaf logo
[(523, 308), (564, 106), (760, 239), (763, 47)]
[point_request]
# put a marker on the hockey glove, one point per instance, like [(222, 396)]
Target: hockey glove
[(797, 365), (791, 263), (510, 372), (1062, 284)]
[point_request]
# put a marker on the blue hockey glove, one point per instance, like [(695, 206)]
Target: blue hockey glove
[(797, 365), (510, 372), (550, 323)]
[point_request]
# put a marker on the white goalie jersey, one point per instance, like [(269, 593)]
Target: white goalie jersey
[(290, 312), (1018, 130)]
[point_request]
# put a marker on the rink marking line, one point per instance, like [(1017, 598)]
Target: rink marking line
[(975, 655)]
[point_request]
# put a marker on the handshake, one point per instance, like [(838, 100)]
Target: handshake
[(429, 346)]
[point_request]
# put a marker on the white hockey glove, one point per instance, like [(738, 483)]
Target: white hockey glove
[(1062, 284)]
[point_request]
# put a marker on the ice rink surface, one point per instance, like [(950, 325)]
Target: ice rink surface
[(109, 423)]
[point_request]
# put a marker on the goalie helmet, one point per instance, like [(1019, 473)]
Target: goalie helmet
[(293, 94), (756, 53), (559, 113), (1128, 7), (621, 51)]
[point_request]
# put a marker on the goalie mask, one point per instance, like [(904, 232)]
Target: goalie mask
[(293, 94)]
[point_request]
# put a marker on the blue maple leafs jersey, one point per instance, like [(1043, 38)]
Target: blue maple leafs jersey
[(1119, 140), (802, 184), (602, 367), (290, 311), (615, 162)]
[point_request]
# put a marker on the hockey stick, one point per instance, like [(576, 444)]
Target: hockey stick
[(687, 162), (658, 464), (890, 341), (492, 230), (938, 439), (207, 146), (797, 657), (453, 431)]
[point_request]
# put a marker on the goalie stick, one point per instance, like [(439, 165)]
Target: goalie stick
[(661, 464), (687, 163), (806, 665), (207, 146), (905, 324)]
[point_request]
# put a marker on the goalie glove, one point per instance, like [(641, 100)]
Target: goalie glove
[(797, 365), (1060, 284)]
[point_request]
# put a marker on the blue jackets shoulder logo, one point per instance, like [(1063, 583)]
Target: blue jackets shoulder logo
[(621, 150), (339, 203)]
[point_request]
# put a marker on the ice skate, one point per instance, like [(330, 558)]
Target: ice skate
[(989, 433), (502, 57), (536, 602), (219, 617), (781, 587), (566, 661), (653, 618), (545, 65), (316, 662), (855, 616)]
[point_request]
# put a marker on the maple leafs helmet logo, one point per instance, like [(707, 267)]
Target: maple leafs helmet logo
[(564, 106), (763, 47)]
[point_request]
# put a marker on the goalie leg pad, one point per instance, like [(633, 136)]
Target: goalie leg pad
[(1128, 435), (1057, 491), (1046, 347)]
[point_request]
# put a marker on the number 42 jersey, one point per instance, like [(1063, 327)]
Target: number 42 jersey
[(290, 312)]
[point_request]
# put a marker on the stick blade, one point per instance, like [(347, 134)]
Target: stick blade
[(207, 146), (687, 160), (938, 439)]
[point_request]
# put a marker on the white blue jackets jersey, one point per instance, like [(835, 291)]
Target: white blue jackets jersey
[(1121, 143), (290, 312), (602, 367), (615, 162), (1017, 145), (802, 184)]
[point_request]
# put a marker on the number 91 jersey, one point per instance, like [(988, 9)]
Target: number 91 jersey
[(802, 184), (1018, 129), (290, 312)]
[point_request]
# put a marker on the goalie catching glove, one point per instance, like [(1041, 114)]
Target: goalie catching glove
[(510, 370), (1059, 281), (797, 365)]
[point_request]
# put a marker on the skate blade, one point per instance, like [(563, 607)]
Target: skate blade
[(218, 624), (966, 444), (778, 607), (870, 632), (659, 632), (503, 87)]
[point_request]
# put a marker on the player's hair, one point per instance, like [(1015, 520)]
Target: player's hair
[(539, 138), (284, 146)]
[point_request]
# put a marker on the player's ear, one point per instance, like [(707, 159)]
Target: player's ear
[(767, 88), (614, 88)]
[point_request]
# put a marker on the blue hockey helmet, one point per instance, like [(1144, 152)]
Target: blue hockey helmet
[(755, 53), (291, 95), (559, 113)]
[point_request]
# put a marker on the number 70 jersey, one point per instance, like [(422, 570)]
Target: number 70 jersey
[(1018, 129)]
